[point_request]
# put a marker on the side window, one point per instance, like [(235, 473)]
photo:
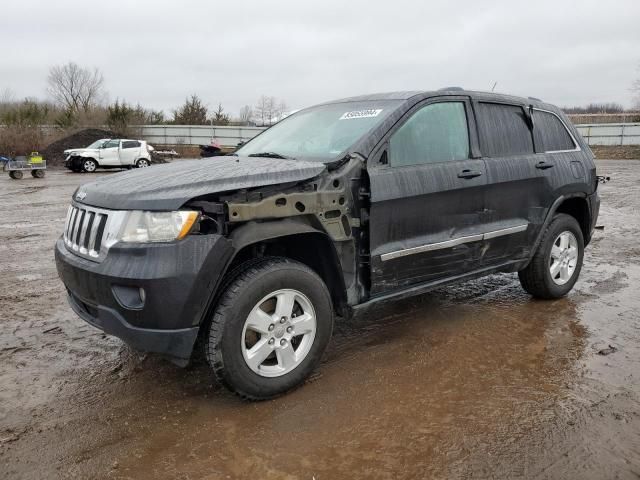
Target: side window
[(551, 132), (130, 144), (504, 130), (112, 144), (435, 133)]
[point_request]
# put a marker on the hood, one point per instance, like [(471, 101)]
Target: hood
[(169, 186), (92, 151)]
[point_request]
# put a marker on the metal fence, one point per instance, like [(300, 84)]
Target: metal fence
[(611, 133), (197, 134)]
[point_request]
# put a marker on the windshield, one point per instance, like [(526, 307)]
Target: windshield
[(98, 143), (320, 133)]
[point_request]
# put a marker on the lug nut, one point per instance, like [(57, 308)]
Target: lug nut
[(283, 319), (272, 341), (289, 329), (271, 327), (283, 342)]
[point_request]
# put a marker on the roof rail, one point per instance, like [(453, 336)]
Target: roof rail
[(451, 89), (534, 98)]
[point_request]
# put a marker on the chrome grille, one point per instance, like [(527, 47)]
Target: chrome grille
[(88, 231)]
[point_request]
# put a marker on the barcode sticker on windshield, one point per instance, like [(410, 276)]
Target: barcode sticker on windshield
[(361, 114)]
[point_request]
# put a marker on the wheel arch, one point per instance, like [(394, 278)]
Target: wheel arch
[(578, 208), (573, 204), (295, 239)]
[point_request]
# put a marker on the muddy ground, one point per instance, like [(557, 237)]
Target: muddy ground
[(475, 381)]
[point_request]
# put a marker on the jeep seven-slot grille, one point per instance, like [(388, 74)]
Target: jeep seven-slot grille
[(84, 231)]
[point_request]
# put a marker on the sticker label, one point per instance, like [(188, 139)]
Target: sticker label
[(361, 114)]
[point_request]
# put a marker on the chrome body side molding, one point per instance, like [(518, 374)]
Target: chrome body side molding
[(453, 242)]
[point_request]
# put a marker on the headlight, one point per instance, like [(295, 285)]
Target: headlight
[(140, 227)]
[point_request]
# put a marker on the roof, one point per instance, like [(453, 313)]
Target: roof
[(406, 95)]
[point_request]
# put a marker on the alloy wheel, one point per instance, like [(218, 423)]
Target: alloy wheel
[(564, 258), (278, 333)]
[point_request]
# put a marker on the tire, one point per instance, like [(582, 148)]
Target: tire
[(142, 163), (89, 165), (555, 268), (231, 337), (15, 174), (37, 173)]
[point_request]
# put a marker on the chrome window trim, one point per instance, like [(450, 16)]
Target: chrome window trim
[(453, 242), (573, 139)]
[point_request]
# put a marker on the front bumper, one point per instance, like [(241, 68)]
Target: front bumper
[(152, 296)]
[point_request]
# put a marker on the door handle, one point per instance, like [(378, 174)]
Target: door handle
[(469, 174), (544, 165)]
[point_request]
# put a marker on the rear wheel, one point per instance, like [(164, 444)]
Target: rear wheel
[(37, 173), (270, 328), (556, 265), (89, 165), (142, 163), (15, 174)]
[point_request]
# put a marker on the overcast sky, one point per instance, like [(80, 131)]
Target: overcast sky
[(232, 51)]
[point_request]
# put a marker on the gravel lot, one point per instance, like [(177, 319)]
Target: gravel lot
[(473, 381)]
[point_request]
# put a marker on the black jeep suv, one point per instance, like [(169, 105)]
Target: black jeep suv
[(336, 207)]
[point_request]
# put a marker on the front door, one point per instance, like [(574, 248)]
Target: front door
[(426, 213), (110, 154)]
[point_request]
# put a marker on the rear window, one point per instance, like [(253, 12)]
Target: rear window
[(504, 130), (551, 132), (130, 144)]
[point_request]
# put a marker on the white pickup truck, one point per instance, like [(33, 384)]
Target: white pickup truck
[(109, 153)]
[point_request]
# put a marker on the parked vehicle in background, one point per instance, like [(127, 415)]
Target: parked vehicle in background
[(34, 164), (109, 153), (335, 208), (214, 149)]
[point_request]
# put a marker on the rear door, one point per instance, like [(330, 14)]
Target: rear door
[(110, 154), (129, 152), (426, 197), (566, 166), (515, 194)]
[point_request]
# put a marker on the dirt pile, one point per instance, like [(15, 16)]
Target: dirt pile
[(617, 152), (53, 153)]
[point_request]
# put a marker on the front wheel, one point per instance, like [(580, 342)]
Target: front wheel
[(556, 265), (270, 328), (89, 165), (15, 174)]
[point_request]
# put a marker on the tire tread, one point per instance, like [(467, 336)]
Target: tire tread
[(533, 276), (239, 279)]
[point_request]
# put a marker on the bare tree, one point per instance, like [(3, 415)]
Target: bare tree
[(635, 88), (246, 114), (7, 97), (269, 110), (75, 88), (262, 110), (281, 110)]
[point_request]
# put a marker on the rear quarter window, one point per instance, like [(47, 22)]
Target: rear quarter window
[(551, 133), (504, 130), (131, 144)]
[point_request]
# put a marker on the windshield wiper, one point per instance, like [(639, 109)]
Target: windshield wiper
[(270, 155)]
